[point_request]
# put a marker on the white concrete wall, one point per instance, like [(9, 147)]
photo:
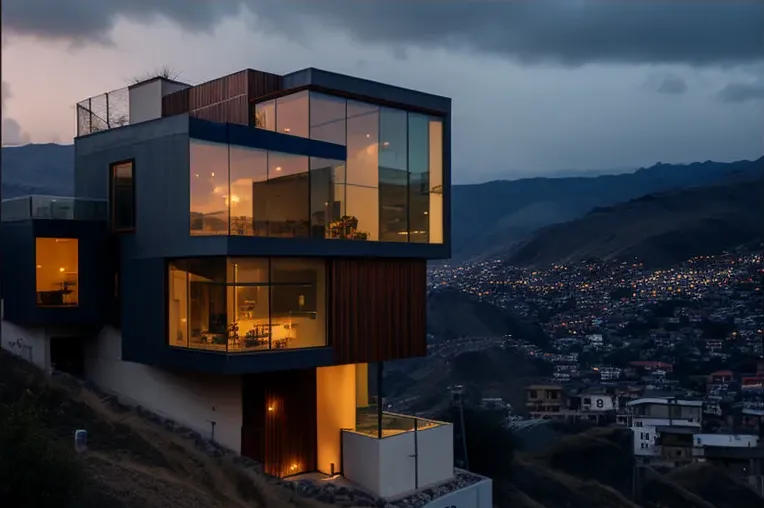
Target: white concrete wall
[(644, 439), (732, 440), (192, 400), (360, 460), (436, 454), (388, 466), (478, 495), (600, 403), (146, 101), (396, 464), (31, 344)]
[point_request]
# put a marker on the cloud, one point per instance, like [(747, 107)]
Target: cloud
[(670, 84), (742, 92), (12, 133), (564, 32)]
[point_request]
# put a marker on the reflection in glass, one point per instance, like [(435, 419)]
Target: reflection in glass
[(260, 304), (209, 188), (419, 182), (265, 115), (327, 118), (362, 209), (436, 180), (327, 196), (393, 176), (292, 114), (57, 273), (178, 311), (287, 194), (362, 144), (297, 294), (248, 166)]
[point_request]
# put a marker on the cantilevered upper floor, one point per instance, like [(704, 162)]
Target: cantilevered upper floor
[(311, 163)]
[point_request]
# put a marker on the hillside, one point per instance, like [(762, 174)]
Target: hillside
[(487, 218), (453, 313), (131, 462), (658, 229)]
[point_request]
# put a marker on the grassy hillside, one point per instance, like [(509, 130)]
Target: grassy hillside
[(130, 462), (659, 230)]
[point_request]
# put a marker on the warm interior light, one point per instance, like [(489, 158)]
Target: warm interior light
[(212, 174), (62, 270), (39, 266), (287, 129), (270, 408), (278, 168), (368, 135)]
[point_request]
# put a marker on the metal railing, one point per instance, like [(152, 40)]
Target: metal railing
[(53, 207), (103, 112)]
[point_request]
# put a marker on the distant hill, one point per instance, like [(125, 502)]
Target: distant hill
[(37, 169), (489, 218), (658, 229)]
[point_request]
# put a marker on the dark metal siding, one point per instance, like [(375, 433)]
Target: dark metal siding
[(377, 309), (283, 438), (19, 272)]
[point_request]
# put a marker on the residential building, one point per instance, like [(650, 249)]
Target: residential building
[(544, 399), (242, 256), (651, 414)]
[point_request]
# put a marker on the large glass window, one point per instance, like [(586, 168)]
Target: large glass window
[(419, 180), (362, 219), (122, 196), (292, 114), (389, 189), (436, 180), (288, 195), (249, 167), (393, 176), (265, 115), (209, 188), (327, 197), (247, 304), (57, 274), (362, 144), (327, 118)]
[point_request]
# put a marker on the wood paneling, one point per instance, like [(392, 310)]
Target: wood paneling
[(279, 421), (377, 309), (225, 99)]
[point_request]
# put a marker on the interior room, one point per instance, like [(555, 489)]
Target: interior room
[(57, 272)]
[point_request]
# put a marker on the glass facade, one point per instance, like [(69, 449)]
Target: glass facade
[(57, 272), (389, 189), (241, 305)]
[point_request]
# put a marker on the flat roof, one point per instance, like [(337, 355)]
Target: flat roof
[(665, 401)]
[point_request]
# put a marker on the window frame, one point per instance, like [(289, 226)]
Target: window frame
[(112, 193)]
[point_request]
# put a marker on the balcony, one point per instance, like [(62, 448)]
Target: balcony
[(53, 207), (397, 454)]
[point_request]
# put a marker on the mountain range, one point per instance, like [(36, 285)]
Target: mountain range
[(499, 218)]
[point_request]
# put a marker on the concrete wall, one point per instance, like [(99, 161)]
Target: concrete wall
[(478, 495), (30, 344), (388, 466), (192, 400), (732, 440)]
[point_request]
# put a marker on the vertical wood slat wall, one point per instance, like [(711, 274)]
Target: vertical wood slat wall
[(225, 99), (377, 309), (283, 439)]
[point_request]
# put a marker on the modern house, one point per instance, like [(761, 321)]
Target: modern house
[(653, 419), (242, 256)]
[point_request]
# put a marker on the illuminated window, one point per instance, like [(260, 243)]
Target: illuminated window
[(209, 188), (57, 274), (240, 305), (122, 196)]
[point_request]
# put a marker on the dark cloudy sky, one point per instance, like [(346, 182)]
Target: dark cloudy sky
[(537, 86)]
